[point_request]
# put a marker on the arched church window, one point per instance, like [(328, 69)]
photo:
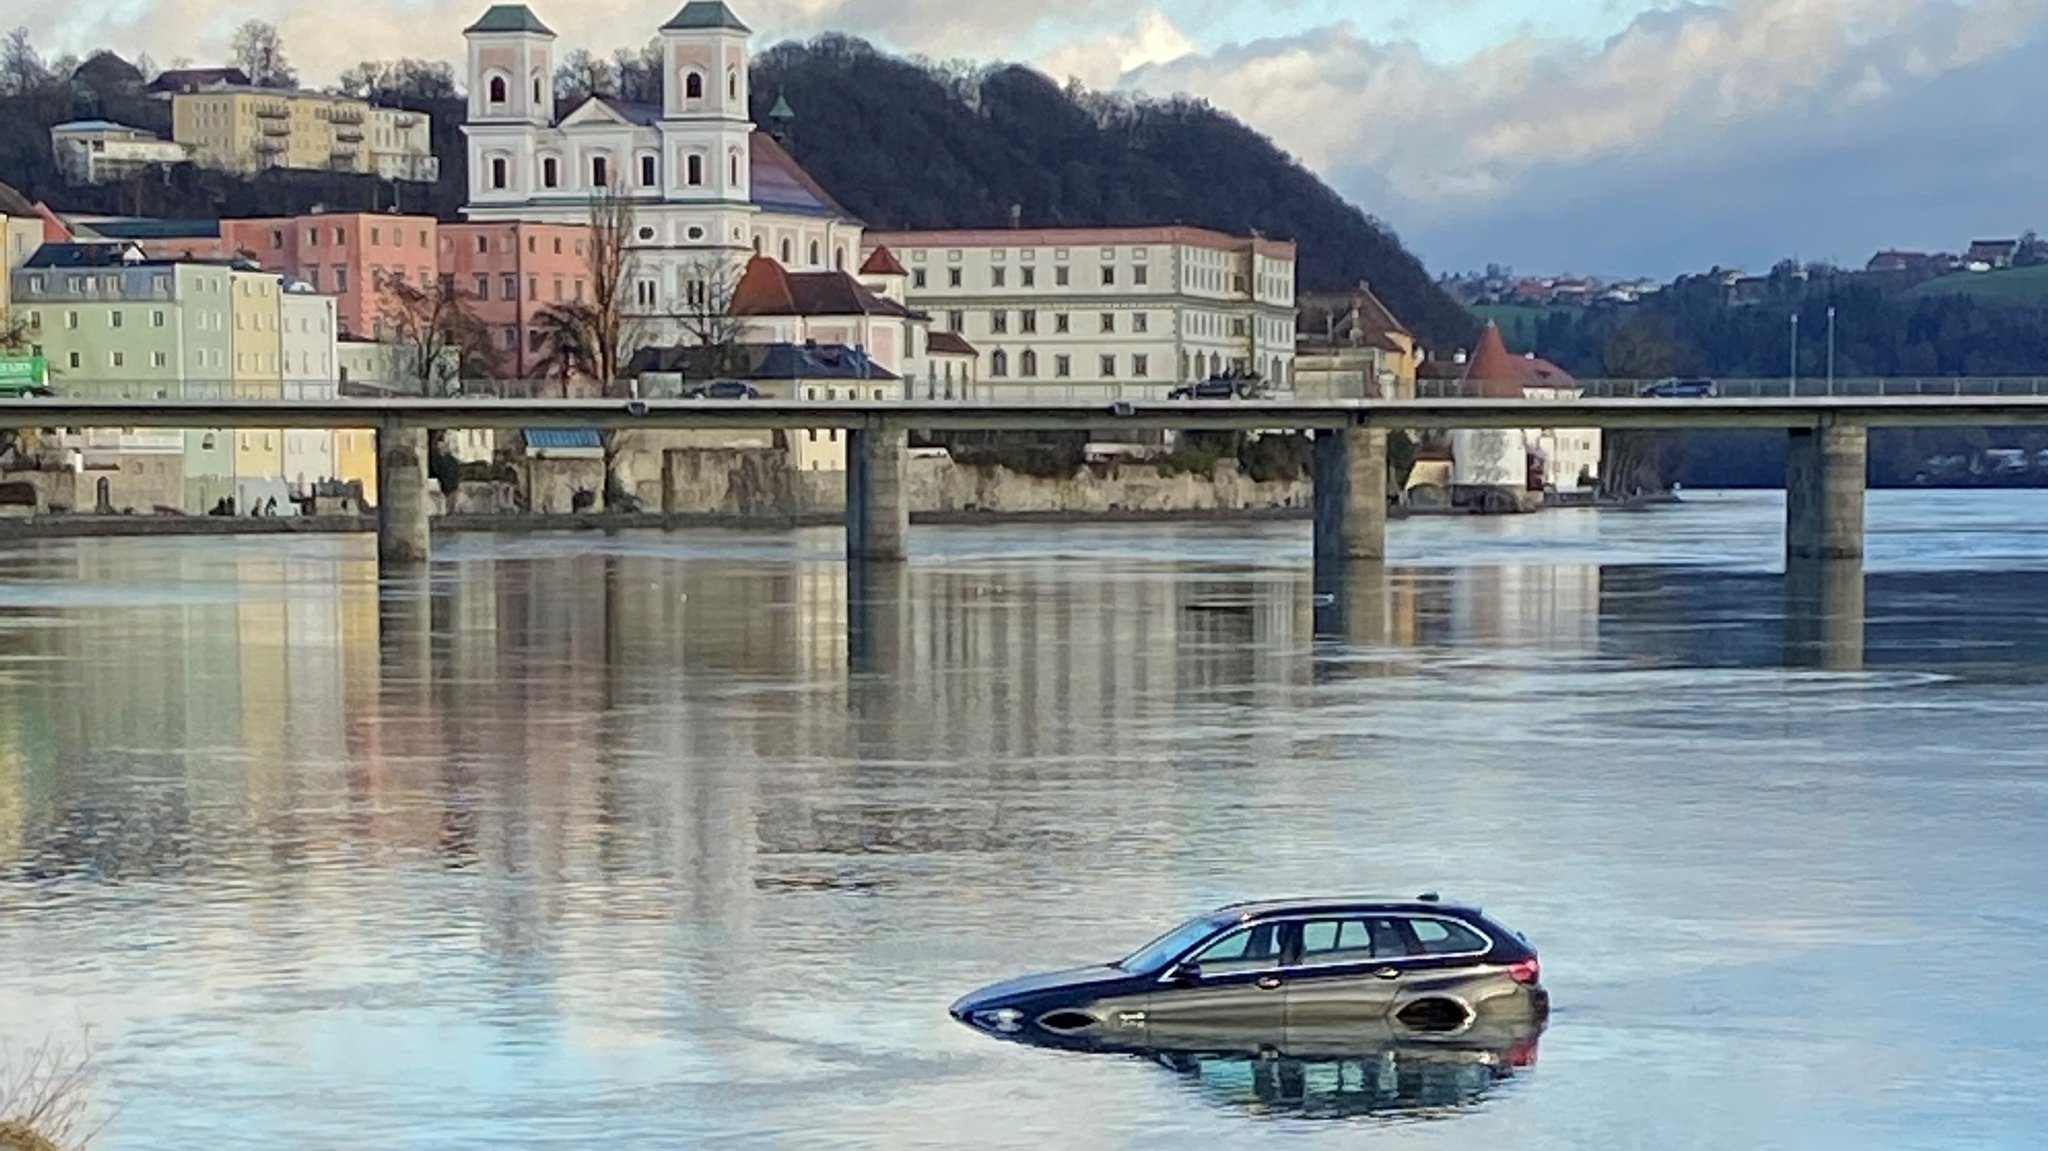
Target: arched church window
[(788, 251), (814, 253), (693, 86), (497, 89)]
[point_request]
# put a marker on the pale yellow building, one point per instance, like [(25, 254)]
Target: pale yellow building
[(249, 129), (257, 361)]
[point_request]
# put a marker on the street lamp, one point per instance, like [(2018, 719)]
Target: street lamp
[(1794, 371), (1831, 349)]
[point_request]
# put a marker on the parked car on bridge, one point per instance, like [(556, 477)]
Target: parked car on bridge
[(1216, 389), (1677, 389), (1422, 966), (724, 390)]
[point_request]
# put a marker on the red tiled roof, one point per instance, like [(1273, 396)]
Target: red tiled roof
[(767, 289), (1082, 237), (949, 344), (1497, 374), (882, 262)]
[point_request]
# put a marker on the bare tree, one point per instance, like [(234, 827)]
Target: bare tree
[(22, 70), (258, 50), (44, 1096), (432, 335), (615, 333), (706, 318)]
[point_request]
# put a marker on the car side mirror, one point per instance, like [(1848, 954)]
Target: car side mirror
[(1187, 972)]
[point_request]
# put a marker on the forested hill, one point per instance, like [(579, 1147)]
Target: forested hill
[(907, 145)]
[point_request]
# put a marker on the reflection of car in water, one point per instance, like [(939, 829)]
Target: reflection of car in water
[(1295, 969), (1366, 1072)]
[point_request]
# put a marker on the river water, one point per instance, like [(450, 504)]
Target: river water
[(613, 841)]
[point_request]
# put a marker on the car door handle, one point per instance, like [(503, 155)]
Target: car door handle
[(1269, 983), (1387, 973)]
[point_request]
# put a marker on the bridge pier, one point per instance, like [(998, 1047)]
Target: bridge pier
[(877, 506), (401, 498), (1825, 470), (1350, 495)]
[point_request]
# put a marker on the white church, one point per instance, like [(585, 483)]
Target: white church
[(705, 184)]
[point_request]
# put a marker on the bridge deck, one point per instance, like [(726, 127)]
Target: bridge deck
[(1890, 411)]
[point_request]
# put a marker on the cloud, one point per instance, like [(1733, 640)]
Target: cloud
[(1531, 129)]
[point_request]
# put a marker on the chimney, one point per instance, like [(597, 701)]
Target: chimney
[(1016, 216)]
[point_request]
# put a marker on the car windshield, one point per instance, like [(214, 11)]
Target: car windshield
[(1169, 946)]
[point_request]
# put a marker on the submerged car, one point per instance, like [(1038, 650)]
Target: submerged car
[(1297, 968)]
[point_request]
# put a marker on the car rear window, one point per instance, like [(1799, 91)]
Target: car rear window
[(1442, 937), (1340, 940)]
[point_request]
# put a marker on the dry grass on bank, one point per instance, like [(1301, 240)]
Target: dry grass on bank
[(45, 1097)]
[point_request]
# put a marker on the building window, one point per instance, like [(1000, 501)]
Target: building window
[(483, 245), (814, 253), (1109, 367), (1141, 365), (999, 363), (74, 361), (158, 360), (999, 321), (483, 287), (788, 250), (644, 293), (550, 172), (498, 94), (693, 86), (71, 320), (1141, 275), (312, 237), (1140, 323), (1109, 275), (1109, 321), (1059, 276), (510, 284), (116, 359), (732, 84), (560, 288), (647, 171), (952, 277), (510, 336), (956, 320), (35, 321), (499, 179), (533, 287), (114, 318), (1029, 363), (997, 276), (732, 166), (376, 237), (917, 278), (693, 169), (600, 172), (1030, 277), (1061, 323), (1063, 366), (1027, 321)]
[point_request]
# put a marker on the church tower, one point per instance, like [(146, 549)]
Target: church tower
[(705, 128), (511, 100)]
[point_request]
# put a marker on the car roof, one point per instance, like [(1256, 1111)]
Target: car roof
[(1426, 902)]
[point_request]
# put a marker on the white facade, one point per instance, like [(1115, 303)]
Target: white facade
[(91, 151), (690, 166), (1569, 455), (307, 347), (1130, 311), (1490, 458)]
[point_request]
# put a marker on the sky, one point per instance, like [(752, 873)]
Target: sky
[(1609, 137)]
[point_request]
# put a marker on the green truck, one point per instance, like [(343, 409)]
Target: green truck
[(23, 376)]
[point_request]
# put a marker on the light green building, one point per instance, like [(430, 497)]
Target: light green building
[(113, 324)]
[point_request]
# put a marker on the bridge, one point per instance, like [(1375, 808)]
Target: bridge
[(1824, 480)]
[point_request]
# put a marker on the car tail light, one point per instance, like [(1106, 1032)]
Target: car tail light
[(1528, 971)]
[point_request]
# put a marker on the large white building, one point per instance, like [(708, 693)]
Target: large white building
[(1130, 310), (705, 186), (92, 151)]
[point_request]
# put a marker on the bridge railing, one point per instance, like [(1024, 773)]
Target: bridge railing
[(1785, 388)]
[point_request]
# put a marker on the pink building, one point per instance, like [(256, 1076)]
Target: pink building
[(512, 272), (344, 254)]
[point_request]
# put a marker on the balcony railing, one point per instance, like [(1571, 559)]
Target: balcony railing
[(273, 112), (345, 115), (270, 145), (275, 128)]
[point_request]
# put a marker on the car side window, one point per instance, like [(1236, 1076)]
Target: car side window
[(1442, 937), (1350, 940), (1254, 948)]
